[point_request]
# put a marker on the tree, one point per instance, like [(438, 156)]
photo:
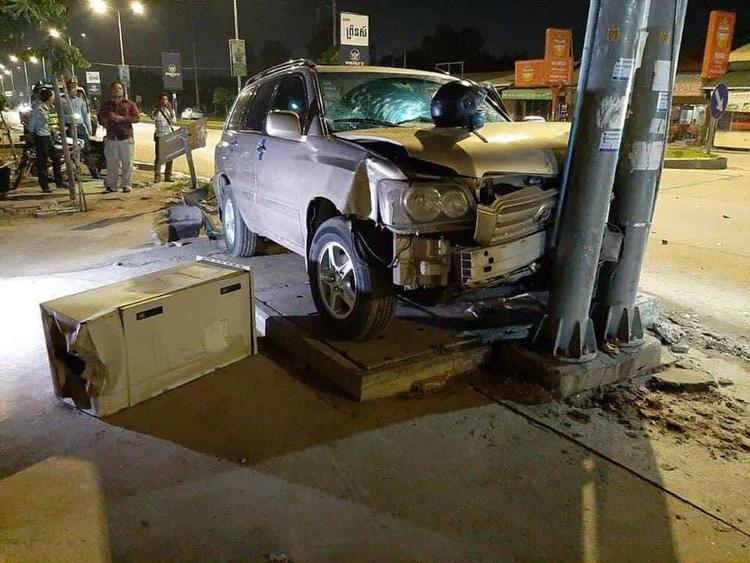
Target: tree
[(22, 20), (222, 98)]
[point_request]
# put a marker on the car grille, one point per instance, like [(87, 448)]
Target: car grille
[(514, 216)]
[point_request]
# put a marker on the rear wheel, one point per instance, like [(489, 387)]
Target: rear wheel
[(354, 295), (239, 240)]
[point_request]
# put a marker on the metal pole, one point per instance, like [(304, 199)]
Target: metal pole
[(195, 56), (638, 173), (12, 82), (567, 329), (44, 68), (72, 68), (119, 29), (26, 74), (237, 36), (333, 22)]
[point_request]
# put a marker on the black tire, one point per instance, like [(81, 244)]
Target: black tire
[(374, 296), (239, 240)]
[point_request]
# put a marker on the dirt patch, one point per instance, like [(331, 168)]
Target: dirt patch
[(702, 414)]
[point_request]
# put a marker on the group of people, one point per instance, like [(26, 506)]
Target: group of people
[(117, 115)]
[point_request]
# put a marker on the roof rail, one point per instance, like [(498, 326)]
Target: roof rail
[(293, 63)]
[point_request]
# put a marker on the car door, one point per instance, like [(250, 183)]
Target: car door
[(284, 168)]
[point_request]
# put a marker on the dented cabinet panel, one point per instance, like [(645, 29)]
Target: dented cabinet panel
[(179, 337)]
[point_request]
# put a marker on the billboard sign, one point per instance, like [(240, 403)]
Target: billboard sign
[(354, 39), (123, 73), (238, 57), (171, 71), (530, 73), (93, 83), (355, 30), (354, 56), (558, 56), (718, 44), (739, 101)]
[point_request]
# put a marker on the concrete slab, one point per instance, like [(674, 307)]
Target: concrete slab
[(565, 378), (423, 348)]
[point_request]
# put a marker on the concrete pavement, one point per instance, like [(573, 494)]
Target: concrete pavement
[(260, 458)]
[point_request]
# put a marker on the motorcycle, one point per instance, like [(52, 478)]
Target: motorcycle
[(27, 164)]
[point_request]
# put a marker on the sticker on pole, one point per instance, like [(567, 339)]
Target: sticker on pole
[(662, 102), (610, 140), (719, 100), (623, 69)]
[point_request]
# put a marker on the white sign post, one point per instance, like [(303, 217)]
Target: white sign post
[(354, 38)]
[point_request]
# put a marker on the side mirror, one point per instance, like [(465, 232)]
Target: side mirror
[(284, 124)]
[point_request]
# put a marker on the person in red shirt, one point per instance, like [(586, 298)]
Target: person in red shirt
[(118, 115)]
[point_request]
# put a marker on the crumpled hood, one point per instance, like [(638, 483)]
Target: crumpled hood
[(522, 148)]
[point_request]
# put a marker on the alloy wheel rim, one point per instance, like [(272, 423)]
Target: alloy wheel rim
[(336, 280), (229, 227)]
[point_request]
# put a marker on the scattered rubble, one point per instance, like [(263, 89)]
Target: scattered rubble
[(668, 332), (677, 379), (686, 405)]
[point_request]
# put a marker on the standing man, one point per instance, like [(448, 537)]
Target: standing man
[(163, 116), (82, 122), (42, 125), (118, 115)]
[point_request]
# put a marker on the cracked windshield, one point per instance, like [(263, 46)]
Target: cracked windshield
[(367, 100)]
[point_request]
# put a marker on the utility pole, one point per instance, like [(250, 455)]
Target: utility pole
[(195, 56), (605, 82), (26, 75), (333, 22), (237, 36), (638, 173)]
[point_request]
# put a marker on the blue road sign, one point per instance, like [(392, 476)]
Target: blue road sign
[(719, 100)]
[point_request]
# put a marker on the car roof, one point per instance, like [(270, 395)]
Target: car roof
[(379, 70)]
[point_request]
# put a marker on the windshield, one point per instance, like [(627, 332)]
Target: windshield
[(361, 100)]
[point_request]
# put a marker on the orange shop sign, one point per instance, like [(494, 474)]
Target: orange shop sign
[(718, 44), (530, 73), (558, 56)]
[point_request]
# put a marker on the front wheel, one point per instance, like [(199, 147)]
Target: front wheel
[(239, 240), (354, 295)]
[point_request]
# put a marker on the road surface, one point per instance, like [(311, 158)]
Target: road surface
[(203, 158)]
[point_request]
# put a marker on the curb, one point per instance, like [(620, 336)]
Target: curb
[(717, 163)]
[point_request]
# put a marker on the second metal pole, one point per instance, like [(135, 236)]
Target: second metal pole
[(638, 173), (567, 329)]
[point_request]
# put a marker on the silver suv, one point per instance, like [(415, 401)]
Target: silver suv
[(349, 167)]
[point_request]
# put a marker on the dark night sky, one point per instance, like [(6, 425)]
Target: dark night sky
[(507, 25)]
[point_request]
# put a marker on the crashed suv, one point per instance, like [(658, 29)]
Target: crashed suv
[(351, 168)]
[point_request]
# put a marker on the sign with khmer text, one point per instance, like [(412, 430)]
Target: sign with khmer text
[(354, 39)]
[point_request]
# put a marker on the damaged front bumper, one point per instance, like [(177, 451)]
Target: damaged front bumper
[(510, 237)]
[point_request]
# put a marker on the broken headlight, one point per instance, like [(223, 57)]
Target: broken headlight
[(408, 206)]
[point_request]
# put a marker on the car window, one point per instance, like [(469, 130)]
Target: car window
[(361, 100), (291, 96), (237, 118), (255, 117)]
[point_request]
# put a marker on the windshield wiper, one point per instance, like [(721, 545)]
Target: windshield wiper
[(418, 119), (365, 120)]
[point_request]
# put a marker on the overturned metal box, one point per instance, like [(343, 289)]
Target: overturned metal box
[(115, 346)]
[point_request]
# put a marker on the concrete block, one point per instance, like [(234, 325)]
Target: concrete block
[(565, 378)]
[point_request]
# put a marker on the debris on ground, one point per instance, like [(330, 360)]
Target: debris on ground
[(677, 379), (685, 405), (668, 332), (685, 329)]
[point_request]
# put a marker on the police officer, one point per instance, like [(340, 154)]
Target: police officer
[(82, 124)]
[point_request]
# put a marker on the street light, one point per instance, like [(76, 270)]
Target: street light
[(55, 33), (101, 7), (15, 59)]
